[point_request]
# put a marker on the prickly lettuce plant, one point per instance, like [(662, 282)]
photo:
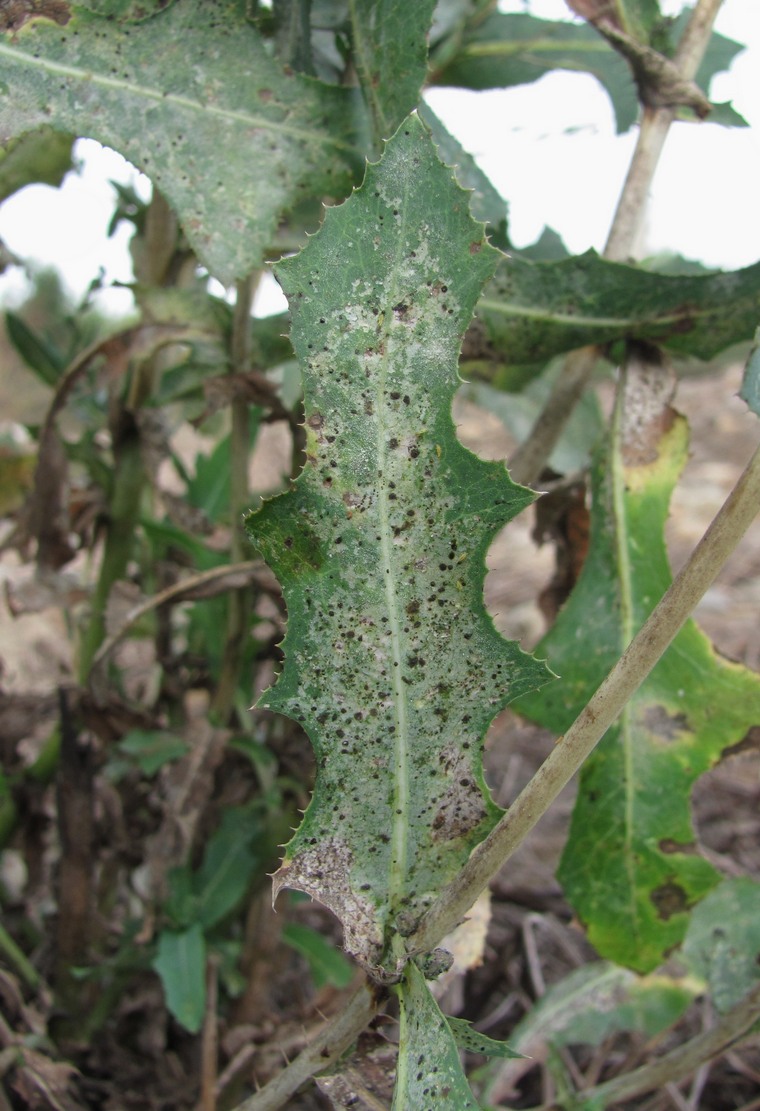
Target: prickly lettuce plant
[(392, 664), (248, 120)]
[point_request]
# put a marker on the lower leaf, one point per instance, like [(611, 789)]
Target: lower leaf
[(429, 1075)]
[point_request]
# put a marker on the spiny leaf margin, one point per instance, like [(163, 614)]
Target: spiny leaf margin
[(393, 666)]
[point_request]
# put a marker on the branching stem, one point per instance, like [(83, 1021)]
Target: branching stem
[(530, 458)]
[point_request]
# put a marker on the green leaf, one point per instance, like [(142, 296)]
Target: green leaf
[(389, 39), (194, 100), (507, 50), (391, 663), (535, 310), (750, 391), (486, 203), (151, 749), (42, 156), (429, 1073), (126, 11), (631, 867), (229, 865), (722, 943), (601, 999), (326, 963), (474, 1042), (209, 489), (181, 966), (43, 358)]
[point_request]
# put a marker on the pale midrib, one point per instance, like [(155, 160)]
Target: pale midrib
[(627, 631), (519, 47), (508, 308), (400, 815), (206, 110)]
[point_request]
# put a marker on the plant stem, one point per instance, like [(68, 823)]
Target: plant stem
[(237, 612), (655, 124), (530, 458), (18, 960), (334, 1038), (684, 1060), (589, 727), (124, 512)]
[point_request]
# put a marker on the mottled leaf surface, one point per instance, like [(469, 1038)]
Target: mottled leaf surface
[(534, 310), (429, 1074), (391, 663), (723, 940), (194, 100), (631, 867)]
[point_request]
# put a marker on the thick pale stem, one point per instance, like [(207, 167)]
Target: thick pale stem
[(529, 460), (655, 124), (589, 727)]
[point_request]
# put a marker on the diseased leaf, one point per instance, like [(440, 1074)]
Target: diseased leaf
[(631, 867), (750, 391), (486, 203), (535, 310), (429, 1074), (723, 940), (193, 98), (389, 40), (391, 663), (474, 1042)]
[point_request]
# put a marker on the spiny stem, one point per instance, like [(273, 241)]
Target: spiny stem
[(334, 1038)]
